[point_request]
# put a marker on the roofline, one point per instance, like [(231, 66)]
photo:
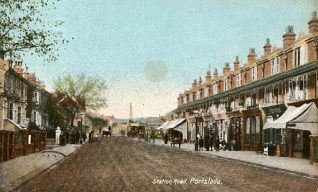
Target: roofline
[(277, 77)]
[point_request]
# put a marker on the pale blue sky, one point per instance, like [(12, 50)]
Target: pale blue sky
[(115, 39)]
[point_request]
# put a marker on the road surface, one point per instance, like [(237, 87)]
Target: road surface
[(121, 164)]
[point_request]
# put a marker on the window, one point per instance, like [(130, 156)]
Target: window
[(34, 116), (22, 90), (252, 130), (35, 96), (206, 92), (297, 56), (215, 89), (19, 115), (238, 82), (254, 73), (225, 85), (10, 111), (275, 66)]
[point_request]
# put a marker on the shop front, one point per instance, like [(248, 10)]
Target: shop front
[(272, 136), (252, 130), (298, 125), (235, 130)]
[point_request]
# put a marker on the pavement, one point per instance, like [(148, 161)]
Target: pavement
[(18, 170), (293, 165)]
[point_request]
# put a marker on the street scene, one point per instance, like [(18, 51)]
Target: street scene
[(123, 164), (158, 95)]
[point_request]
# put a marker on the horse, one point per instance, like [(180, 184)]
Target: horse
[(176, 140), (106, 133)]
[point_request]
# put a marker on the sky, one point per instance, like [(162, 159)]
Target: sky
[(148, 51)]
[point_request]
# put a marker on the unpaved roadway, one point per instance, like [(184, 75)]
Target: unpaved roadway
[(121, 164)]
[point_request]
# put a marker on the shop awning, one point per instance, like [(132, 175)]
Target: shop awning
[(174, 123), (304, 117), (171, 124), (163, 125), (308, 120), (181, 127)]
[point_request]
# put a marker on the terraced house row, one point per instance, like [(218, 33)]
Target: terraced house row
[(23, 113), (239, 102)]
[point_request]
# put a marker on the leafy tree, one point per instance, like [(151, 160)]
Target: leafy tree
[(97, 122), (58, 115), (23, 28), (88, 91)]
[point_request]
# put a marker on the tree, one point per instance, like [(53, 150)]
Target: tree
[(23, 28), (58, 115), (88, 91), (97, 122)]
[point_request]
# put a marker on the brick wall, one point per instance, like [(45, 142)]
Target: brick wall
[(312, 56)]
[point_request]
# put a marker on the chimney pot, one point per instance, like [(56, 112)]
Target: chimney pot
[(289, 36), (267, 47), (215, 75), (236, 64), (313, 23), (251, 57), (226, 69)]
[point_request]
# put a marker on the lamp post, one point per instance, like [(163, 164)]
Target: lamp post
[(81, 134), (196, 116)]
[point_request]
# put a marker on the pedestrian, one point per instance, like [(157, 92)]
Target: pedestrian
[(201, 142), (110, 131), (67, 135), (217, 143), (153, 137), (206, 142), (211, 142), (166, 138), (180, 139), (90, 137), (77, 137)]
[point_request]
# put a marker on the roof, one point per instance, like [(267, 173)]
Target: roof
[(260, 83)]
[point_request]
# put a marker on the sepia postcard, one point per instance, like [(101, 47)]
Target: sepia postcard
[(158, 95)]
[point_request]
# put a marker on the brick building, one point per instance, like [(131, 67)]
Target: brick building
[(236, 104)]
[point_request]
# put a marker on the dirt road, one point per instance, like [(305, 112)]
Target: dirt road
[(120, 164)]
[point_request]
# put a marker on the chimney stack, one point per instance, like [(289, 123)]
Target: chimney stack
[(251, 57), (200, 80), (289, 36), (313, 23), (226, 69), (194, 84), (208, 75), (236, 64), (267, 47), (215, 75)]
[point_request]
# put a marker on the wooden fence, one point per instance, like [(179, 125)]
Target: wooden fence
[(17, 143)]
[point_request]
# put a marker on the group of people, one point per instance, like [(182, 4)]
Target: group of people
[(174, 138), (209, 143)]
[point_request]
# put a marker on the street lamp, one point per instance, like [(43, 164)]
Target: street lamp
[(81, 134), (196, 116)]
